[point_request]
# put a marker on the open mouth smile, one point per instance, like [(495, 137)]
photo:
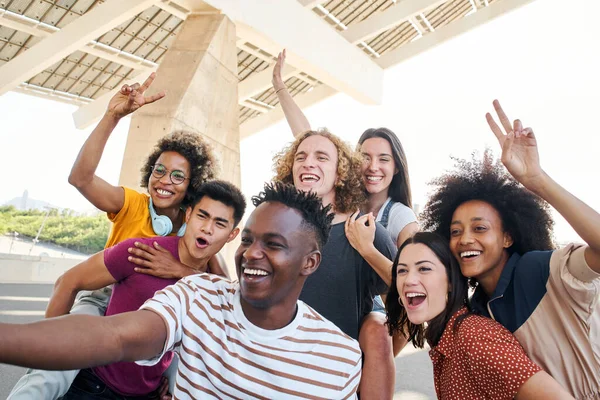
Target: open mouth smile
[(254, 275), (163, 192), (414, 299), (373, 179), (309, 178), (469, 255)]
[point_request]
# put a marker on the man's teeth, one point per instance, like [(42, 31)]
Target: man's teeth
[(309, 177), (470, 253), (163, 192), (249, 271), (410, 295), (374, 178)]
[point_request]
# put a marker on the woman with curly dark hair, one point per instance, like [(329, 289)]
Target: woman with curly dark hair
[(179, 164), (473, 357), (343, 287), (499, 228)]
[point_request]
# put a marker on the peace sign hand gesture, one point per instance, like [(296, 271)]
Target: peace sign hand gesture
[(131, 97), (519, 148)]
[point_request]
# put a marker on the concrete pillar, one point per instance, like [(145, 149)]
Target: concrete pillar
[(199, 73)]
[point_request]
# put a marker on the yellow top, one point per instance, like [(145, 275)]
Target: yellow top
[(133, 220)]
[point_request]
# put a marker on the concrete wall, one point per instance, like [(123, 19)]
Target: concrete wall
[(16, 268)]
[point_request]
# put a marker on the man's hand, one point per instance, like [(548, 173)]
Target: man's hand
[(157, 261), (131, 97)]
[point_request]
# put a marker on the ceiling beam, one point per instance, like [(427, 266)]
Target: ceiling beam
[(266, 24), (45, 93), (193, 6), (303, 100), (393, 16), (311, 3), (35, 28), (447, 32), (72, 37), (173, 8)]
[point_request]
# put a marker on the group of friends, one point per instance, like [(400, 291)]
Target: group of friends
[(335, 275)]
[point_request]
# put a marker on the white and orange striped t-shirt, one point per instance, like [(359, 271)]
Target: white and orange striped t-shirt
[(223, 356)]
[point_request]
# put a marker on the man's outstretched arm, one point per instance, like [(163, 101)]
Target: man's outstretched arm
[(81, 341)]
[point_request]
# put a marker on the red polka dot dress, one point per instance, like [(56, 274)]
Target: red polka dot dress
[(479, 360)]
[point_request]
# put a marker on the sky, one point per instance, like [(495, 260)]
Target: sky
[(541, 61)]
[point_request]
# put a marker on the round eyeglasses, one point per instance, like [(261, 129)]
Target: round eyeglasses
[(177, 176)]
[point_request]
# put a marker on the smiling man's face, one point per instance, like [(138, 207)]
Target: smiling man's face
[(315, 167), (274, 250)]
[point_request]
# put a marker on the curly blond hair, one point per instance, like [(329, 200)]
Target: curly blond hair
[(349, 187)]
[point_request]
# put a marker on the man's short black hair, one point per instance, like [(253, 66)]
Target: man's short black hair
[(315, 217), (225, 192)]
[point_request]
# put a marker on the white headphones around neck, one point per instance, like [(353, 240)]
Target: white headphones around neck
[(161, 224)]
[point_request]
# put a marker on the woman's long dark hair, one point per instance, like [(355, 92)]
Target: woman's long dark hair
[(397, 318), (399, 189)]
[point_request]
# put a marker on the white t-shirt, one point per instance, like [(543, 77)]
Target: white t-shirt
[(223, 356), (400, 216)]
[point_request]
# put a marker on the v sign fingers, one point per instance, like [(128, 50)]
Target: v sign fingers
[(503, 118), (131, 97), (147, 82), (495, 129), (155, 97)]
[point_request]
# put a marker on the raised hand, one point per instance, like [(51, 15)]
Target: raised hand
[(131, 98), (277, 80), (519, 148)]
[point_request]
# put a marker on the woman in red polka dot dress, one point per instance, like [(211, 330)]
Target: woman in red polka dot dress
[(473, 357), (497, 218)]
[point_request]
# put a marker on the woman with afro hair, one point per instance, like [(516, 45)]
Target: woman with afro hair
[(178, 165), (498, 224)]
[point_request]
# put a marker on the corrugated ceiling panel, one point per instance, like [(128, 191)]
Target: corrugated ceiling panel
[(249, 64), (8, 51), (16, 6), (246, 114), (53, 16), (38, 9)]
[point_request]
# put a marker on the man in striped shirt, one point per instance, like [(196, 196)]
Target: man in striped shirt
[(251, 339)]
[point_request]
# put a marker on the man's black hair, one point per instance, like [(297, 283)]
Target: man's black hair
[(315, 217), (225, 192)]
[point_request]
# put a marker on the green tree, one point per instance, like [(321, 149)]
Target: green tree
[(80, 233)]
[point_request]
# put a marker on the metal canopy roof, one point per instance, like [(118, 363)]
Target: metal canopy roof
[(386, 32)]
